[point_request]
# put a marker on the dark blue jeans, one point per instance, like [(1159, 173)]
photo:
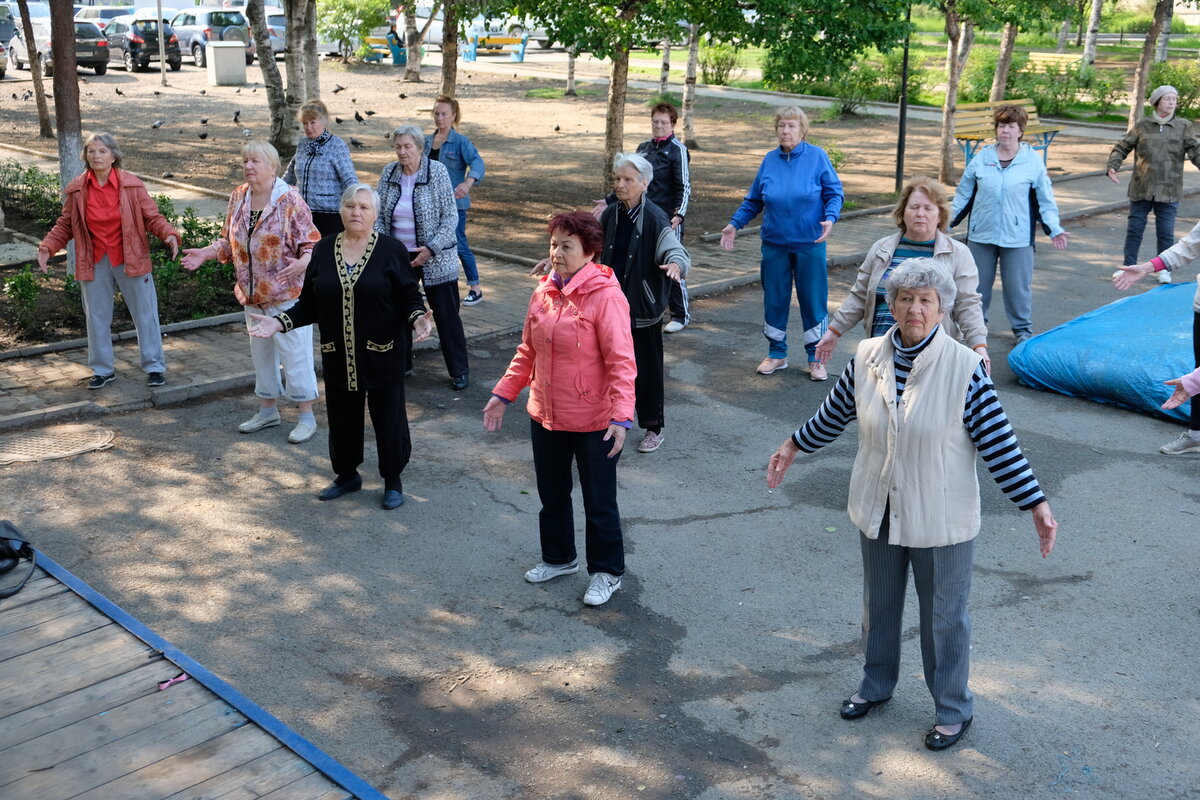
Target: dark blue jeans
[(553, 452), (464, 250), (1164, 227)]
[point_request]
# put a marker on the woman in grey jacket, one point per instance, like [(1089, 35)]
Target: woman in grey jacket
[(416, 206)]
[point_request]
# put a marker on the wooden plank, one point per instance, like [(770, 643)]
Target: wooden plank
[(311, 787), (111, 761), (34, 591), (85, 702), (250, 780), (15, 619), (82, 620), (57, 746), (190, 767)]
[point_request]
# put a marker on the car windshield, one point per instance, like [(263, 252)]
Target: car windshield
[(278, 20), (109, 13), (224, 18), (38, 10), (86, 30)]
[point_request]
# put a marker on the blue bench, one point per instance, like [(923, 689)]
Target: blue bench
[(515, 45)]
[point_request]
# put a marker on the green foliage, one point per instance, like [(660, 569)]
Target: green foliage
[(1184, 76), (1114, 21), (673, 98), (348, 22), (855, 86), (976, 83), (1106, 87), (22, 292), (837, 156), (1051, 90), (717, 63), (34, 191), (826, 37), (891, 64), (551, 93)]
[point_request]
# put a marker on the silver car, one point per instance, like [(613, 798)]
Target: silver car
[(91, 48)]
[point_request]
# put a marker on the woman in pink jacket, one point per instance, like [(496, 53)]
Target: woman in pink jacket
[(576, 357)]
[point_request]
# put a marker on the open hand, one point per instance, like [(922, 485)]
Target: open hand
[(779, 462), (826, 227), (1060, 241), (493, 414), (1178, 397), (728, 235), (264, 327), (672, 270), (541, 268), (423, 327), (1125, 277), (615, 434)]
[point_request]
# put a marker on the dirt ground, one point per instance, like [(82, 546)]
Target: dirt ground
[(543, 155)]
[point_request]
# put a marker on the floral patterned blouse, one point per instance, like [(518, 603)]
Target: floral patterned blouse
[(285, 230)]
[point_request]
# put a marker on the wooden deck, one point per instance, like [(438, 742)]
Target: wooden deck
[(82, 716)]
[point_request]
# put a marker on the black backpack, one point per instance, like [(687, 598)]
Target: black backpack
[(13, 549)]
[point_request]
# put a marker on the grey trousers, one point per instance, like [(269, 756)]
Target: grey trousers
[(142, 301), (1016, 278), (942, 576)]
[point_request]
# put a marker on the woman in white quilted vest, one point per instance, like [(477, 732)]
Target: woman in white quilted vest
[(925, 406)]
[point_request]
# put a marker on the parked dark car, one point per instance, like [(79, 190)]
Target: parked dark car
[(133, 43), (9, 20), (91, 48), (198, 26)]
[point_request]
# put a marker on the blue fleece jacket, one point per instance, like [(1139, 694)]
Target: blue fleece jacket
[(795, 192)]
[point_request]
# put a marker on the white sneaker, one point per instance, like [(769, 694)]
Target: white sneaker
[(544, 572), (674, 326), (817, 371), (1184, 444), (1164, 276), (259, 421), (602, 588), (302, 432)]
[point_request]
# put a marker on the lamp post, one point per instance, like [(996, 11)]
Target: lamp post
[(903, 104)]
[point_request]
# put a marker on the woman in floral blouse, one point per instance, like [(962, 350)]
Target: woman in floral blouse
[(269, 236), (321, 168)]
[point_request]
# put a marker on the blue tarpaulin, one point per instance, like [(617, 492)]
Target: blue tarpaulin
[(1118, 354)]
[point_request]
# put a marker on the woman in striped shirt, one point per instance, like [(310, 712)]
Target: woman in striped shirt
[(925, 405)]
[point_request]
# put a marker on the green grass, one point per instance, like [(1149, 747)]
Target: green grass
[(549, 93)]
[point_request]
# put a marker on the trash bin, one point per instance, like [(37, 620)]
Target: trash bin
[(226, 63)]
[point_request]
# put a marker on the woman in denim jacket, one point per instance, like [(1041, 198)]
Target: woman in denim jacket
[(465, 166)]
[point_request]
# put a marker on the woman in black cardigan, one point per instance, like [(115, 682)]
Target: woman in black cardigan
[(363, 296)]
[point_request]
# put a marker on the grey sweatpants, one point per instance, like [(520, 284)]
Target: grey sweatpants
[(142, 300)]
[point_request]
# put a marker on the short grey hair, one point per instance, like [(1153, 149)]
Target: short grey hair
[(922, 273), (638, 162), (108, 141), (412, 132), (264, 149), (355, 188)]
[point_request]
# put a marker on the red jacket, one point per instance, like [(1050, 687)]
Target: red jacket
[(138, 214), (576, 354)]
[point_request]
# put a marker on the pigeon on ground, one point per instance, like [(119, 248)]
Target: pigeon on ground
[(338, 120), (359, 118), (203, 134), (236, 116), (204, 120), (355, 142), (157, 124), (338, 88), (118, 91), (403, 96), (369, 113)]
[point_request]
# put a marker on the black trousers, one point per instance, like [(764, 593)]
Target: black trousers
[(388, 417), (1194, 404), (648, 387), (444, 302), (328, 224)]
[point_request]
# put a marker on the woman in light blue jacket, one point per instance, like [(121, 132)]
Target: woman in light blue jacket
[(1007, 192), (465, 166)]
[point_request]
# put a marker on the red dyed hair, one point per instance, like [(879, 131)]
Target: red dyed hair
[(583, 225)]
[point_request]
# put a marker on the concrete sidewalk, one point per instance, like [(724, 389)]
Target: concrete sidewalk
[(45, 383)]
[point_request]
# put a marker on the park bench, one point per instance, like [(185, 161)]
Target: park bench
[(1039, 61), (973, 127), (381, 48), (512, 44)]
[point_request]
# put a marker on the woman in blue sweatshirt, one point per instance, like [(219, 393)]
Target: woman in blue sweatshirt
[(800, 197)]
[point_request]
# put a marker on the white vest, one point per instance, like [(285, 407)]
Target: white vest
[(915, 459)]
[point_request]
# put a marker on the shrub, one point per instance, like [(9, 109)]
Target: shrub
[(1184, 76), (1106, 88), (717, 63), (1052, 90), (976, 83), (32, 190), (855, 86), (891, 65), (22, 292), (348, 22), (837, 156)]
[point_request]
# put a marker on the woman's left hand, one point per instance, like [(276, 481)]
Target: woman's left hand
[(493, 414), (1178, 397), (987, 361), (1060, 241), (672, 270), (826, 227), (423, 255), (264, 327), (294, 269), (1046, 525), (781, 459), (423, 326), (173, 243), (462, 190), (617, 434)]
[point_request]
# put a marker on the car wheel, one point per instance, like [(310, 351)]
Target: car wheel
[(44, 66), (101, 69), (249, 59), (175, 65), (1, 73), (130, 64), (198, 55), (13, 61)]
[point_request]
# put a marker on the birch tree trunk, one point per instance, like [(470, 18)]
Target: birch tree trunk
[(1141, 77), (570, 92), (283, 125), (310, 59), (614, 123), (689, 87), (1008, 40), (1064, 33), (449, 47), (1093, 31), (412, 45), (946, 169), (965, 43), (664, 77), (39, 91), (1164, 37)]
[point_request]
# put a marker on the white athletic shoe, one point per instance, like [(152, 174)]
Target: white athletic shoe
[(602, 588), (544, 572)]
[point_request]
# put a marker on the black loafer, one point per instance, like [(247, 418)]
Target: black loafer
[(936, 740), (391, 499), (853, 710), (335, 490), (459, 382)]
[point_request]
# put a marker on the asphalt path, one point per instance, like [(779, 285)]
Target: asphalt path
[(407, 645)]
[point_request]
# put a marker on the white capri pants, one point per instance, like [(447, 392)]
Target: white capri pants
[(293, 351)]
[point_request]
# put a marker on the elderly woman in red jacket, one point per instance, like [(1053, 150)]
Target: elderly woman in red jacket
[(108, 212), (576, 330)]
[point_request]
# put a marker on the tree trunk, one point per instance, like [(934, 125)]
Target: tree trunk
[(449, 47), (412, 44), (1008, 41), (66, 91), (283, 124), (1093, 31), (689, 87), (664, 77), (1164, 37), (301, 41), (1140, 78), (1081, 13), (45, 131), (570, 92), (946, 169), (614, 124), (965, 43), (1064, 33)]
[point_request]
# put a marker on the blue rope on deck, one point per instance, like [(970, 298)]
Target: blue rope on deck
[(318, 758)]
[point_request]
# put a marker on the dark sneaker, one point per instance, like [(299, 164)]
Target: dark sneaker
[(473, 298), (100, 381), (155, 379), (459, 382)]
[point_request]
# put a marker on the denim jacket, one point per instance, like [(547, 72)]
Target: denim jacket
[(1001, 211), (461, 160)]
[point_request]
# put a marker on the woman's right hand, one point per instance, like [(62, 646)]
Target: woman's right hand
[(264, 327), (781, 459), (599, 207), (1125, 277), (193, 257), (541, 268), (1112, 175), (44, 259), (728, 234), (1178, 397), (826, 345), (493, 414)]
